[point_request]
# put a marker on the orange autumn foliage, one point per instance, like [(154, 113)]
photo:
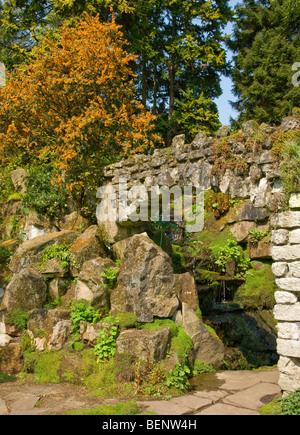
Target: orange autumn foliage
[(75, 102)]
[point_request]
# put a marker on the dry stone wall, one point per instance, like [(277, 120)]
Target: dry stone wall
[(242, 166), (286, 267)]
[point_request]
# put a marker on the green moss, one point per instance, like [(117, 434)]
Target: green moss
[(127, 321), (44, 366), (125, 408), (200, 367), (178, 259), (161, 324), (213, 332), (259, 288), (17, 318), (183, 345)]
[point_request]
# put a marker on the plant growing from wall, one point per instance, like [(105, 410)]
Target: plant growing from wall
[(61, 253)]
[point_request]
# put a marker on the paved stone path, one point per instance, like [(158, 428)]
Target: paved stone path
[(222, 393)]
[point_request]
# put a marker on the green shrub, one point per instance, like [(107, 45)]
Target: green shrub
[(178, 378), (44, 194), (110, 276), (105, 348), (290, 405), (61, 253)]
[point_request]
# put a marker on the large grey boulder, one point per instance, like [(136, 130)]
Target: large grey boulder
[(149, 345), (27, 290), (49, 329), (31, 251), (86, 247), (207, 348), (147, 285), (19, 178), (91, 285)]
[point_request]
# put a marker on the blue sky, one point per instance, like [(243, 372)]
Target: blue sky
[(225, 109)]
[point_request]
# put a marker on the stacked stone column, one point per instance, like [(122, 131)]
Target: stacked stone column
[(286, 267)]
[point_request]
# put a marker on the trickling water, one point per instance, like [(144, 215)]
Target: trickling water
[(223, 297)]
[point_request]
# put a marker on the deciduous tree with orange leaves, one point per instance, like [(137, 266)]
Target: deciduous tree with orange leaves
[(75, 103)]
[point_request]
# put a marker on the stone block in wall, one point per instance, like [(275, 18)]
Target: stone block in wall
[(283, 297), (295, 201), (286, 253), (287, 313), (289, 368), (280, 269), (261, 250), (295, 237), (289, 284), (289, 219), (289, 331), (295, 269), (289, 348), (280, 237)]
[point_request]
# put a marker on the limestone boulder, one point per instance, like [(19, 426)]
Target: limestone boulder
[(86, 247), (188, 290), (19, 178), (27, 290), (73, 222), (54, 269), (49, 329), (31, 251), (146, 285), (207, 348), (36, 225), (261, 250), (11, 359), (149, 345), (241, 230), (89, 332), (91, 285)]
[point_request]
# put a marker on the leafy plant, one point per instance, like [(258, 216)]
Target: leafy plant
[(256, 235), (290, 405), (106, 343), (17, 318), (110, 276), (232, 252), (290, 166), (43, 192), (178, 378), (61, 253), (82, 311)]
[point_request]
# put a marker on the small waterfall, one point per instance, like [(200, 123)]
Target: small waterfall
[(223, 292)]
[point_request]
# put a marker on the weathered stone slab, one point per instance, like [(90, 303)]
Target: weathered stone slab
[(223, 409), (288, 348), (283, 297), (286, 253), (295, 237), (49, 329), (289, 284), (86, 247), (295, 201), (289, 331), (26, 291), (289, 219), (280, 269), (147, 285), (280, 237), (252, 398), (287, 313), (207, 348), (144, 344), (30, 252), (295, 269), (91, 285)]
